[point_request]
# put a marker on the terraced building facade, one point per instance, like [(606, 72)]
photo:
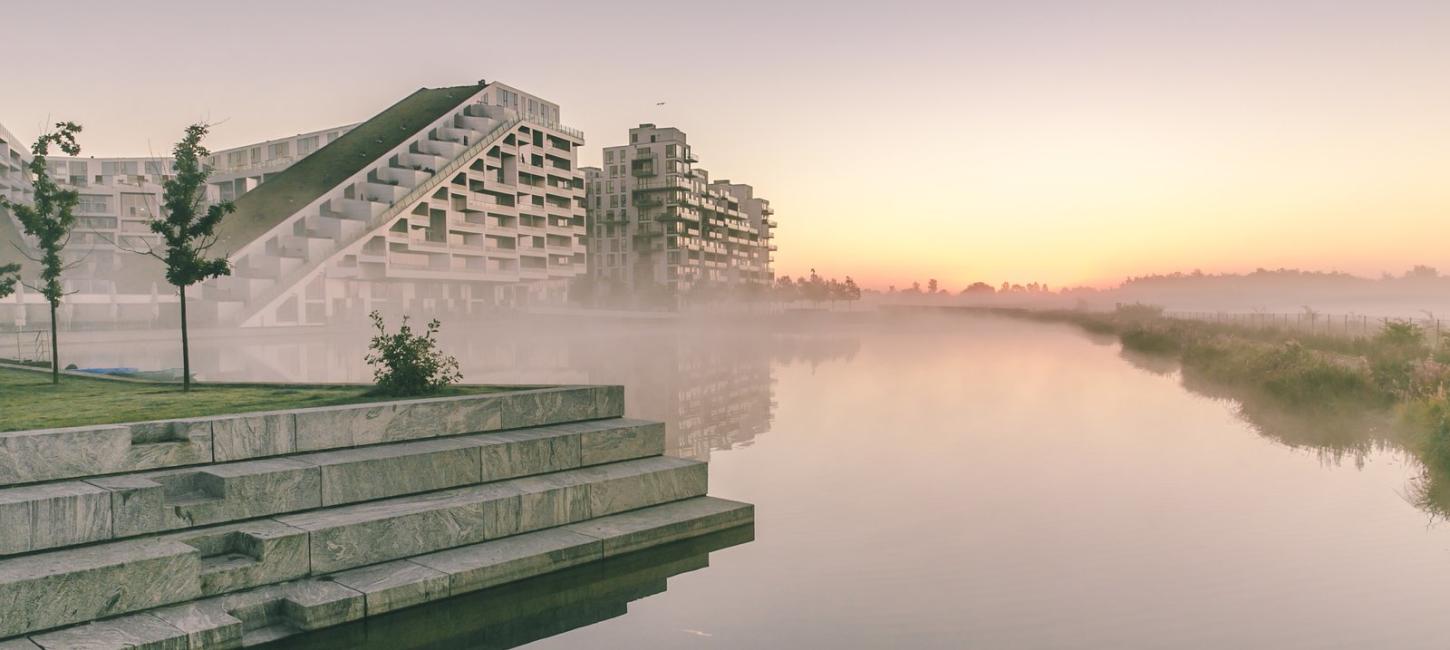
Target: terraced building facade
[(451, 201), (657, 221)]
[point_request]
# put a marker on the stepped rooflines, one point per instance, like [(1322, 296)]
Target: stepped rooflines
[(261, 209)]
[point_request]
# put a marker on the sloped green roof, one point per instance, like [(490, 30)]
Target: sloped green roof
[(288, 191)]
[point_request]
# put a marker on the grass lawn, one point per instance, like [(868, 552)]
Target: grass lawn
[(29, 401)]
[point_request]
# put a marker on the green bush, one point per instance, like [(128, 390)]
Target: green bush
[(1152, 340), (1394, 355), (406, 364), (1288, 373)]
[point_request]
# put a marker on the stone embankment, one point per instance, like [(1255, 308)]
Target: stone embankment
[(232, 531)]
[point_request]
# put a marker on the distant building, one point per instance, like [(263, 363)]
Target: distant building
[(452, 200), (655, 221)]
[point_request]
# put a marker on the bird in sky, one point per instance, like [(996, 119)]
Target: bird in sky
[(659, 103)]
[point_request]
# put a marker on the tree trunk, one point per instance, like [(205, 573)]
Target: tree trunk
[(54, 348), (185, 347)]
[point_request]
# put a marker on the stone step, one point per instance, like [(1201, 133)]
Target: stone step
[(76, 585), (55, 515), (40, 455), (518, 613), (276, 611), (55, 588), (368, 533)]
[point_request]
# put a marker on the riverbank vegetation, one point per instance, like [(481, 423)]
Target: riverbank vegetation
[(1391, 387)]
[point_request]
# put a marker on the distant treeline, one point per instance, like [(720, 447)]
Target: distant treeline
[(1420, 292)]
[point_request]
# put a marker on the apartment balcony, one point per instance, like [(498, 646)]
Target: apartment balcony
[(648, 231), (662, 184), (494, 250), (640, 167)]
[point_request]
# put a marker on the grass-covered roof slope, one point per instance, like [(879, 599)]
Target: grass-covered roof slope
[(288, 191)]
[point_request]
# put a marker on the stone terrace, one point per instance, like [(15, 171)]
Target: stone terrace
[(231, 531)]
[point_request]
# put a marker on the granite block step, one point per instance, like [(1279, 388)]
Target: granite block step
[(369, 533), (41, 455), (518, 613), (54, 515), (49, 454), (84, 584), (48, 589), (277, 611)]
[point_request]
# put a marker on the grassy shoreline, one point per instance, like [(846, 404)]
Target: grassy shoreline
[(1391, 387), (29, 401)]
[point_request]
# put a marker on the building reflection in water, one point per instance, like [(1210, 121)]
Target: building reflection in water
[(711, 385), (529, 610)]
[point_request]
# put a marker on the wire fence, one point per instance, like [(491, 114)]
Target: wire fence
[(1346, 325), (31, 346)]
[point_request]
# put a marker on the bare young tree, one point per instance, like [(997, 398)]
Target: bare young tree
[(188, 228), (49, 220)]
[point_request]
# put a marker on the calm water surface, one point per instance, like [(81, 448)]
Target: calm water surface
[(939, 483)]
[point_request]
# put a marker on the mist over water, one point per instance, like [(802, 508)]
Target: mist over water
[(957, 481)]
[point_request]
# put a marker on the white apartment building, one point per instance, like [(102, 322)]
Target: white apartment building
[(238, 170), (452, 200), (656, 220), (14, 160)]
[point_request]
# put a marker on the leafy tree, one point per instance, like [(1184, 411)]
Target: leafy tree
[(9, 276), (49, 221), (187, 229), (407, 364), (816, 289), (931, 286), (785, 289), (849, 291)]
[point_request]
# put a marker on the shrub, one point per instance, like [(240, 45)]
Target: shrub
[(407, 364), (1152, 340), (1288, 373), (1395, 355), (1137, 312)]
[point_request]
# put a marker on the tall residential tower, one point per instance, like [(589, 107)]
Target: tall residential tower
[(656, 221)]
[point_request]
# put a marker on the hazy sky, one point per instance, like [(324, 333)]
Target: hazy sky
[(1067, 142)]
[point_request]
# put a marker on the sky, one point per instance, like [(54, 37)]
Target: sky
[(1066, 142)]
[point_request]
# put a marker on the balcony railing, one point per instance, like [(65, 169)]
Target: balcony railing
[(666, 183)]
